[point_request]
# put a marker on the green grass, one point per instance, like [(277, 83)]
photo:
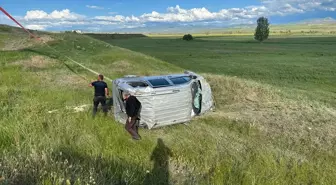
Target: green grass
[(314, 29), (305, 64), (259, 134)]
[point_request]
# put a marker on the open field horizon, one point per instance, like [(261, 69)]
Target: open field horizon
[(315, 28), (274, 121)]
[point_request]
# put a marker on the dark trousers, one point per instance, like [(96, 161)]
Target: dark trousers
[(102, 101), (132, 127)]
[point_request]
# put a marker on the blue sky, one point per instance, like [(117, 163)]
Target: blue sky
[(104, 15)]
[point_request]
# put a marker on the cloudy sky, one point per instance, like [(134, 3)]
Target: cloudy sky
[(107, 15)]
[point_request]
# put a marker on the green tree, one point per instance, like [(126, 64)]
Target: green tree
[(262, 30), (188, 37)]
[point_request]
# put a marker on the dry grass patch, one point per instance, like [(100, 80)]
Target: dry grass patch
[(21, 42), (46, 38), (71, 80), (124, 67), (11, 44), (68, 80), (121, 67), (61, 79), (39, 62), (232, 90), (263, 107)]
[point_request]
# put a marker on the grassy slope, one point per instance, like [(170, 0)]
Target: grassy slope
[(256, 135)]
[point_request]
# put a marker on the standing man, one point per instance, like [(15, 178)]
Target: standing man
[(132, 110), (100, 94)]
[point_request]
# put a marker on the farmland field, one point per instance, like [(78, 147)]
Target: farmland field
[(303, 64), (274, 121)]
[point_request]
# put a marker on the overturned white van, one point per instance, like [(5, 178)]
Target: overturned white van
[(165, 100)]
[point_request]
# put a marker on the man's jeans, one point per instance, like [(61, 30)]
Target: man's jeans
[(132, 127), (96, 101)]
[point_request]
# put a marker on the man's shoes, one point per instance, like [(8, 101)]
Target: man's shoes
[(136, 138)]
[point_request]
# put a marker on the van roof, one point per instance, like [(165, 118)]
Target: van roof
[(158, 81)]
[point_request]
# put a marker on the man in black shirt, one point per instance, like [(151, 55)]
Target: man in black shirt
[(100, 93), (132, 110)]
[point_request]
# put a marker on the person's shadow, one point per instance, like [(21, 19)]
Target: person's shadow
[(160, 172)]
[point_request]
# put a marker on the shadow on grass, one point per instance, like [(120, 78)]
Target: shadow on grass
[(98, 169), (67, 165), (72, 165), (118, 171), (160, 171)]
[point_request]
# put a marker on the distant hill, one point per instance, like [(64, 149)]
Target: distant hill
[(327, 20), (15, 29)]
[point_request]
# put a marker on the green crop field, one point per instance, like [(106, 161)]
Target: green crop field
[(274, 121), (302, 64)]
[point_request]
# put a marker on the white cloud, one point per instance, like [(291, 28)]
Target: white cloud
[(304, 5), (2, 17), (41, 20), (132, 19), (95, 7), (230, 16), (5, 20), (117, 18), (177, 14), (287, 9), (36, 14), (132, 26), (42, 15), (267, 8)]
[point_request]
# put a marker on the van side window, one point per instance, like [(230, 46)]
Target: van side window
[(159, 82), (137, 84), (180, 80)]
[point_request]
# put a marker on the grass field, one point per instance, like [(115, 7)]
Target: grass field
[(308, 29), (274, 121), (303, 64)]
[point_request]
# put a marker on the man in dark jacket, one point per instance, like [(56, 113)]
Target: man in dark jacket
[(132, 110), (100, 94)]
